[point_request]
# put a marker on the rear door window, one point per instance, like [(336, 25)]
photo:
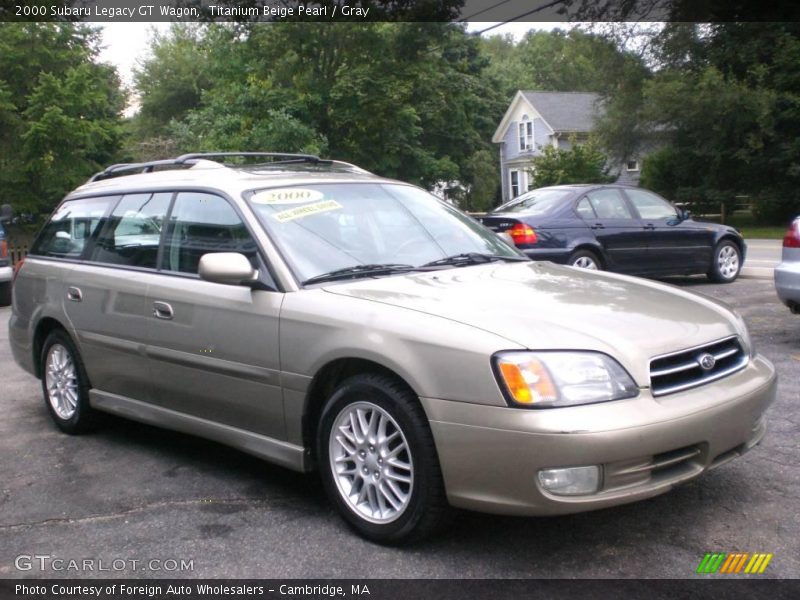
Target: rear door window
[(609, 204), (75, 222), (132, 232)]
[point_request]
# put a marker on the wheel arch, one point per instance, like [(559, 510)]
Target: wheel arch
[(44, 327), (326, 380)]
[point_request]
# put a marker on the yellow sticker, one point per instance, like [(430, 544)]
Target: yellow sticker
[(305, 211), (287, 196)]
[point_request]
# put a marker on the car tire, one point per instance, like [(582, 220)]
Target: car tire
[(389, 490), (5, 293), (726, 263), (65, 385), (585, 259)]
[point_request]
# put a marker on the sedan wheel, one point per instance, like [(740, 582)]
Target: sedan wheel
[(378, 461), (583, 259), (65, 385), (727, 262)]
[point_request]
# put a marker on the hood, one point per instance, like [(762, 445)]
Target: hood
[(545, 306)]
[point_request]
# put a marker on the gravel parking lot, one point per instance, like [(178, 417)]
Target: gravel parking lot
[(136, 493)]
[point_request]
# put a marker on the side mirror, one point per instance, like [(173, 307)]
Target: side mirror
[(62, 235), (230, 268), (683, 215), (6, 212)]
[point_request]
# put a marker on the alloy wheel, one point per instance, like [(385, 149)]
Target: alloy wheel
[(371, 462)]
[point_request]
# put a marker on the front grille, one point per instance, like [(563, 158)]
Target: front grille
[(683, 370)]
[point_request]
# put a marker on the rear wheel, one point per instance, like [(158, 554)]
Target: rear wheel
[(726, 263), (378, 461), (65, 385), (585, 259)]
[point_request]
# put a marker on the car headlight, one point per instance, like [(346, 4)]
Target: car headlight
[(552, 379)]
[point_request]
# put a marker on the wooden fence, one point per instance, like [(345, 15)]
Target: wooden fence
[(17, 253)]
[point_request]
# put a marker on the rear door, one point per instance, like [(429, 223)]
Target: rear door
[(616, 228), (102, 298), (674, 245), (213, 347)]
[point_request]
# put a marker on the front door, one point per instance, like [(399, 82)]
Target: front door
[(214, 347), (674, 244)]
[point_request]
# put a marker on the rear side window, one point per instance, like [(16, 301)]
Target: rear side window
[(132, 232), (584, 209), (609, 204), (203, 223), (72, 225)]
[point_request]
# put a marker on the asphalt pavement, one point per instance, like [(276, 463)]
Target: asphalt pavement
[(136, 494)]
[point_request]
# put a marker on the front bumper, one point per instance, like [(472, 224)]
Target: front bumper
[(490, 456)]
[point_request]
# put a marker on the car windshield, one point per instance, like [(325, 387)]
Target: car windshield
[(538, 202), (324, 228)]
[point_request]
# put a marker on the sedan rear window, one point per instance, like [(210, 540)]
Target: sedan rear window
[(539, 202)]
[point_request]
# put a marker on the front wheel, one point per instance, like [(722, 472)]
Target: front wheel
[(726, 263), (584, 259), (65, 385), (378, 461)]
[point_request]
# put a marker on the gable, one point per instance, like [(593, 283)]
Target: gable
[(519, 106)]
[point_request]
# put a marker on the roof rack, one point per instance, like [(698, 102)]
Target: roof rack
[(190, 159)]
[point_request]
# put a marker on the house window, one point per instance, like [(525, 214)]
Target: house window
[(515, 184), (525, 134), (632, 165)]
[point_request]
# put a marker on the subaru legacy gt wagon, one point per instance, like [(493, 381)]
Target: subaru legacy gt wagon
[(324, 318)]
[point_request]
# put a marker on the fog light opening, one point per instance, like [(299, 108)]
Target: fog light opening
[(571, 481)]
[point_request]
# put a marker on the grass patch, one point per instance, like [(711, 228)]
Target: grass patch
[(762, 233)]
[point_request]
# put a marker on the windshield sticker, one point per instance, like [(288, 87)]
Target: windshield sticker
[(305, 211), (287, 196)]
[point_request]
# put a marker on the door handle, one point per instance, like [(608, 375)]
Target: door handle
[(649, 226), (598, 226), (162, 310), (74, 294)]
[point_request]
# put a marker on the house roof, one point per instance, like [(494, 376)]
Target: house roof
[(566, 111)]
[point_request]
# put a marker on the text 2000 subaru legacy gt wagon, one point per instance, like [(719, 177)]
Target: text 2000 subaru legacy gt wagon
[(324, 318)]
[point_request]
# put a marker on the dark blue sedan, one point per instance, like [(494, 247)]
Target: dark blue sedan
[(617, 228)]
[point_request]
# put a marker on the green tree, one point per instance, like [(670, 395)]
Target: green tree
[(581, 163), (59, 110), (405, 100)]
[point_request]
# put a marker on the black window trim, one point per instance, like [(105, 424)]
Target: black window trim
[(273, 282)]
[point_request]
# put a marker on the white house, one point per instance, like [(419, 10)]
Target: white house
[(537, 119)]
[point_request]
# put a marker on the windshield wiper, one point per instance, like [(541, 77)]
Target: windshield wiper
[(473, 258), (360, 271)]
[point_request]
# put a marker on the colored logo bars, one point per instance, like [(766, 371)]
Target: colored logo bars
[(721, 562)]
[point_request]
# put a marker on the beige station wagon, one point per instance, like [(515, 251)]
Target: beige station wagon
[(323, 318)]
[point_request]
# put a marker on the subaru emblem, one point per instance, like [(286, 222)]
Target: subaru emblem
[(706, 361)]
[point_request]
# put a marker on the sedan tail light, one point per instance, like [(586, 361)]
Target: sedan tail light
[(3, 249), (792, 237), (522, 234)]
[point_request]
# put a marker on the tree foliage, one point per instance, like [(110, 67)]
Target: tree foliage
[(722, 109), (580, 163), (405, 100), (59, 112)]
